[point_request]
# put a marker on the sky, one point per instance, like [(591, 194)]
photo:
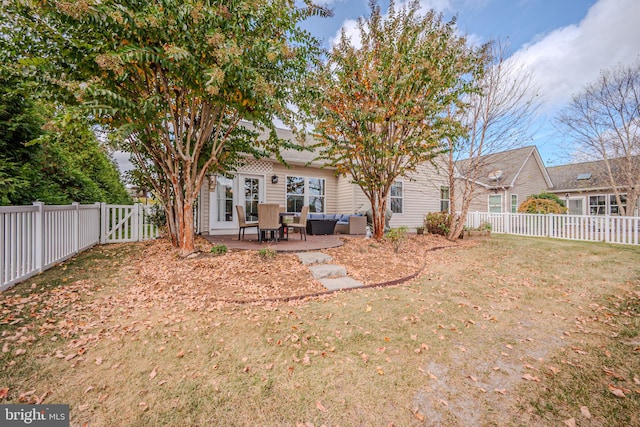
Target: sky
[(564, 44)]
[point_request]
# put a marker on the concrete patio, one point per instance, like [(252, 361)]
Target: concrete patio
[(294, 244)]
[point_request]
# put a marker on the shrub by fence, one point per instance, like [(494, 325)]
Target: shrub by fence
[(611, 229), (34, 238)]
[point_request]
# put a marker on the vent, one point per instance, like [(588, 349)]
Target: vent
[(583, 176), (496, 175)]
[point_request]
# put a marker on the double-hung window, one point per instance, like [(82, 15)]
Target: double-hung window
[(514, 203), (444, 199), (396, 197), (305, 191), (495, 203), (597, 205), (614, 209)]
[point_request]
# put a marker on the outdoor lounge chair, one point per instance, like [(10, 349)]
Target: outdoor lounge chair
[(243, 224)]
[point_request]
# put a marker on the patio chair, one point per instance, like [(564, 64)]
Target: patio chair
[(268, 220), (242, 222), (301, 225)]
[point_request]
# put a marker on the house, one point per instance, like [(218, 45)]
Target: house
[(505, 179), (585, 187), (306, 181)]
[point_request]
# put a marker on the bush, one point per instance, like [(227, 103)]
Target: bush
[(397, 236), (219, 250), (267, 253), (437, 223), (543, 203)]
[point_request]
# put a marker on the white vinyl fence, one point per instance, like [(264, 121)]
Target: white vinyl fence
[(611, 229), (34, 238)]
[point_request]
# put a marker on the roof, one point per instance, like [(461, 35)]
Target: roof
[(295, 157), (582, 176), (501, 169)]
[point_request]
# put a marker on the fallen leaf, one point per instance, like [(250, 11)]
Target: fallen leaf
[(320, 406), (88, 389), (180, 354), (98, 360), (269, 367), (143, 406), (554, 369), (585, 412), (102, 398), (380, 371), (70, 356), (616, 391), (419, 415), (636, 380), (20, 351), (571, 422), (530, 378), (306, 360), (501, 390), (83, 407), (153, 374), (4, 392), (472, 378)]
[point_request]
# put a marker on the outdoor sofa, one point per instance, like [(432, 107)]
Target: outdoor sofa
[(320, 223)]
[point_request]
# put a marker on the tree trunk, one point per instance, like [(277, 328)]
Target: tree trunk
[(187, 234), (378, 213)]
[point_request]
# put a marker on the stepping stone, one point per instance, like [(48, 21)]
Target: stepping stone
[(321, 271), (334, 284), (308, 258)]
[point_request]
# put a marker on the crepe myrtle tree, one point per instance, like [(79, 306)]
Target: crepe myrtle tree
[(173, 78), (382, 102)]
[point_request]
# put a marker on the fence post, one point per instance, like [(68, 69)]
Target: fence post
[(103, 223), (135, 223), (39, 237), (76, 227)]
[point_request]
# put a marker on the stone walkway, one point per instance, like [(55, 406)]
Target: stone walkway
[(332, 277)]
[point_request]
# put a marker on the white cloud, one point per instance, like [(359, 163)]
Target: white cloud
[(564, 61)]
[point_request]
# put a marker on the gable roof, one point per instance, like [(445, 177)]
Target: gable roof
[(501, 169), (583, 176)]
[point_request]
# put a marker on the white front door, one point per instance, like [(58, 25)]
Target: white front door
[(251, 193)]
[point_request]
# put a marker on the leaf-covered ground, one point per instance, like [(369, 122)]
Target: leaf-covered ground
[(504, 331)]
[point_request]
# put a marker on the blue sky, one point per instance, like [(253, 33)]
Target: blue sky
[(563, 43)]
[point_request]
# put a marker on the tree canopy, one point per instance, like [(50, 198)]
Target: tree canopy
[(174, 77), (383, 101), (60, 164)]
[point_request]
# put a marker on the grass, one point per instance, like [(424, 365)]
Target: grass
[(453, 348)]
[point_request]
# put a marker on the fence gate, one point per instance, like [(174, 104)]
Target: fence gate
[(125, 223)]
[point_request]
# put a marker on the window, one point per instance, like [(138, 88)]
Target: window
[(316, 195), (495, 203), (444, 199), (396, 197), (514, 203), (597, 205), (305, 191), (614, 209)]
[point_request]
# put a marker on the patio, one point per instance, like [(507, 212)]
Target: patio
[(294, 244)]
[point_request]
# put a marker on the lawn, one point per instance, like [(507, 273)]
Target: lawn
[(507, 331)]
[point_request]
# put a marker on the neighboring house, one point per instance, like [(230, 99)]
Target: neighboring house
[(506, 179), (586, 189), (309, 182)]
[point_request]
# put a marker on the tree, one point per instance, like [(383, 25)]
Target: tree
[(604, 123), (497, 118), (60, 164), (382, 106), (174, 77)]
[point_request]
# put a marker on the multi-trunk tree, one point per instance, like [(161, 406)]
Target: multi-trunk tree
[(497, 118), (382, 103), (603, 122), (174, 77)]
